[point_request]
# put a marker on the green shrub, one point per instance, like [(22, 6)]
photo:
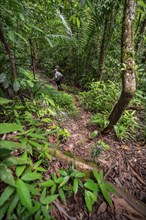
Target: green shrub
[(100, 97)]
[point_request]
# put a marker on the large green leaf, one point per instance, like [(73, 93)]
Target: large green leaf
[(62, 194), (6, 147), (91, 185), (6, 175), (88, 201), (45, 211), (105, 193), (9, 127), (64, 181), (21, 168), (4, 101), (78, 174), (49, 199), (31, 176), (11, 161), (13, 204), (47, 183), (75, 186), (6, 194), (16, 85), (43, 195), (98, 176), (3, 210), (24, 194), (9, 144)]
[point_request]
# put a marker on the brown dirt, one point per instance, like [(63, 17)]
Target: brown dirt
[(124, 165)]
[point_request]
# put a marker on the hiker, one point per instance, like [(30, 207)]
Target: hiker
[(58, 79)]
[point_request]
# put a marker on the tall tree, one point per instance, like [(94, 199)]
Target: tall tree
[(128, 63), (7, 47)]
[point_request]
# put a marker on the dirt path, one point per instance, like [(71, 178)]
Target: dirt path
[(124, 164)]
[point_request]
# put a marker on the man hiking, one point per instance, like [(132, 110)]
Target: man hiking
[(58, 79)]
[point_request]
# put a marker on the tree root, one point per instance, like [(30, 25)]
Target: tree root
[(87, 167)]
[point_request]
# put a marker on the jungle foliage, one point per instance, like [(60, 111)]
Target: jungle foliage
[(83, 40)]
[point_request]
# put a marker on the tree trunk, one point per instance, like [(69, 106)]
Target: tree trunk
[(33, 57), (141, 36), (102, 49), (128, 63), (104, 44), (7, 47)]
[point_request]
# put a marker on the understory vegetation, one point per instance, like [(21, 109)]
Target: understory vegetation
[(25, 155)]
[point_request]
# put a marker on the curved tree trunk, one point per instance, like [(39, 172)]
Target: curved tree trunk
[(7, 47), (128, 63)]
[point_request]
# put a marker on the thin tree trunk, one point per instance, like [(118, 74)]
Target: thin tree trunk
[(104, 44), (141, 36), (33, 57), (127, 60), (7, 47), (102, 49)]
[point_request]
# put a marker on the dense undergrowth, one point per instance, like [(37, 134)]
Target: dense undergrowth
[(101, 98), (26, 127), (27, 124)]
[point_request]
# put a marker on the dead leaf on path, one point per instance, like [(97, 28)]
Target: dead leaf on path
[(102, 208), (121, 206), (124, 147)]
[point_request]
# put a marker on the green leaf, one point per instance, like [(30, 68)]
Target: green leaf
[(43, 195), (3, 77), (3, 210), (35, 144), (62, 195), (75, 186), (47, 183), (109, 187), (37, 164), (10, 145), (31, 176), (98, 176), (92, 196), (92, 186), (6, 147), (11, 35), (9, 127), (35, 208), (105, 194), (45, 211), (33, 135), (16, 85), (53, 189), (50, 199), (59, 180), (6, 175), (33, 189), (24, 194), (11, 161), (4, 101), (88, 201), (78, 174), (6, 194), (63, 172), (13, 204), (65, 179), (20, 169)]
